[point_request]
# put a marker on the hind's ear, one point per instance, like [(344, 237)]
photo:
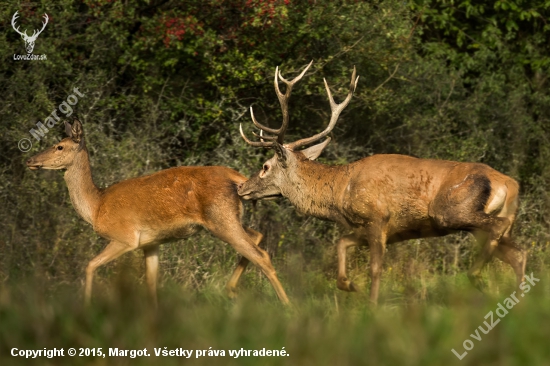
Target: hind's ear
[(68, 129), (77, 132)]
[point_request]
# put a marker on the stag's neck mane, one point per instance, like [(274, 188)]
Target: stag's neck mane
[(315, 189), (85, 195)]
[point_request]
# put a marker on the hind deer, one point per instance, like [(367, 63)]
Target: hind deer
[(143, 212), (383, 199)]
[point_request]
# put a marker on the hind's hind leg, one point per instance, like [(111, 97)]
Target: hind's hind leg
[(232, 283), (235, 235)]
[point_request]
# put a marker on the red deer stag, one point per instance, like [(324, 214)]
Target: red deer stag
[(147, 211), (385, 199)]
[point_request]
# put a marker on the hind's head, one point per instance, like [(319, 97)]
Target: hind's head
[(62, 154)]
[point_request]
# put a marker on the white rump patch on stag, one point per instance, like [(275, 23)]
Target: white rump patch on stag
[(497, 201)]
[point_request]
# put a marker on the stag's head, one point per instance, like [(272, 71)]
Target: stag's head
[(29, 40), (62, 154), (278, 172)]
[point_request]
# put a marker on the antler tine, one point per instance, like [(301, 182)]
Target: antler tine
[(260, 126), (283, 98), (288, 83), (263, 138), (283, 101), (335, 108), (253, 143)]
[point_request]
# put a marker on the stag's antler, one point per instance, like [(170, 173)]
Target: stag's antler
[(278, 137), (336, 109), (279, 133)]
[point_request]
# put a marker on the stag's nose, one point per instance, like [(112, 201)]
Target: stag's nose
[(29, 162)]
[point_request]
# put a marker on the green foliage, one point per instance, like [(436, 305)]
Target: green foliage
[(322, 328)]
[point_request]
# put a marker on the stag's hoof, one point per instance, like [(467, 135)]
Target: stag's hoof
[(352, 287), (346, 285), (477, 282)]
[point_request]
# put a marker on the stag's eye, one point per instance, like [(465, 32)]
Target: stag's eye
[(60, 148), (266, 167)]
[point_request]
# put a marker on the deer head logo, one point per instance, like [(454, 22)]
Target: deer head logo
[(29, 40)]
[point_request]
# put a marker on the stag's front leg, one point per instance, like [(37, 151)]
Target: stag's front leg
[(343, 283), (377, 250)]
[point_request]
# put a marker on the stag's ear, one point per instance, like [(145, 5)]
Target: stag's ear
[(314, 151), (282, 154), (68, 128)]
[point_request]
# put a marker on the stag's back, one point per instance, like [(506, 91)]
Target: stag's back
[(401, 188)]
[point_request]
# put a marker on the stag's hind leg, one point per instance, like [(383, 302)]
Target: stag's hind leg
[(507, 251), (232, 284), (515, 257), (489, 246), (502, 209), (461, 207)]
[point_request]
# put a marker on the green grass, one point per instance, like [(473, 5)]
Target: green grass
[(416, 324)]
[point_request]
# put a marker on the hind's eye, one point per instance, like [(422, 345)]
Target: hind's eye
[(60, 148)]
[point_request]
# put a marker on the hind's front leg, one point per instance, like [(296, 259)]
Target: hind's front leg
[(113, 250), (151, 271)]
